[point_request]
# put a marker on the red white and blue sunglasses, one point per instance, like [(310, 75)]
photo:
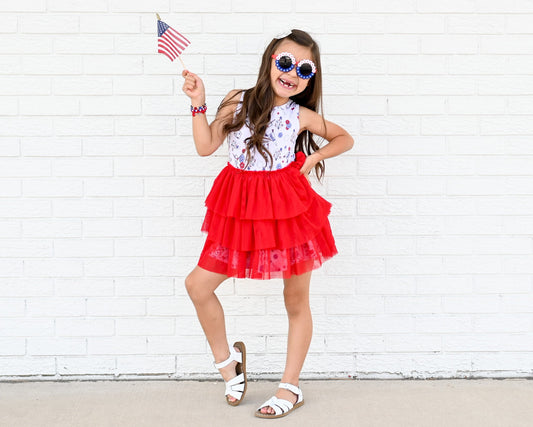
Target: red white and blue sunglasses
[(286, 61)]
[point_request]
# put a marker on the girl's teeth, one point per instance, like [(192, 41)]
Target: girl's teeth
[(286, 84)]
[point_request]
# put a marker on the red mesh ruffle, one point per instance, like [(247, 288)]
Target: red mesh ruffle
[(265, 224)]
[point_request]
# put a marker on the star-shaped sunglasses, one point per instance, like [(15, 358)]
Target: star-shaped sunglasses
[(286, 61)]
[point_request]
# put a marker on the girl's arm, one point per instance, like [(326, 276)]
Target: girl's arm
[(207, 138), (339, 140)]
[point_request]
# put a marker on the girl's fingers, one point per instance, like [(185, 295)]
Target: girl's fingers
[(192, 85), (189, 76), (194, 80), (189, 84), (307, 166)]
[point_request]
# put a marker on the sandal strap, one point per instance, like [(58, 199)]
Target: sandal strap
[(280, 406), (235, 386), (236, 380), (233, 355), (294, 389), (234, 393)]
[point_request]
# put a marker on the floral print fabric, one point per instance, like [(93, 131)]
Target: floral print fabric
[(280, 140)]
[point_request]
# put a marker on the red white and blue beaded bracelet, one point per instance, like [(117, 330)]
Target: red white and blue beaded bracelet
[(198, 110)]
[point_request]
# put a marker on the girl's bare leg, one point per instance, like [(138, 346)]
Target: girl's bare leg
[(296, 294), (201, 285)]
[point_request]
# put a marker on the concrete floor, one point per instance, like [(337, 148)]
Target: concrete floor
[(409, 403)]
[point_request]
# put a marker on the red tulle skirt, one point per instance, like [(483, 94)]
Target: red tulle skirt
[(265, 224)]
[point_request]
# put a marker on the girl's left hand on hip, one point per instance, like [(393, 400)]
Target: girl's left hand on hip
[(309, 164)]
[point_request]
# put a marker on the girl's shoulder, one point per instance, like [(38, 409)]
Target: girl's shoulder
[(229, 105), (232, 99), (307, 117), (233, 94)]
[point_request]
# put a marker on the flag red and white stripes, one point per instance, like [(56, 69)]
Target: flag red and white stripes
[(169, 41)]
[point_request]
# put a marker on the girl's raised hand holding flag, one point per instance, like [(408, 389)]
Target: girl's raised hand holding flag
[(193, 87)]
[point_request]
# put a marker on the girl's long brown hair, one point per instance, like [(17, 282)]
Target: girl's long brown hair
[(258, 102)]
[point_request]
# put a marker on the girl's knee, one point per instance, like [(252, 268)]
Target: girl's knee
[(295, 305), (201, 284), (189, 283), (194, 288)]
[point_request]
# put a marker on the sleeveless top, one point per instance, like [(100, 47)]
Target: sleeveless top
[(280, 140)]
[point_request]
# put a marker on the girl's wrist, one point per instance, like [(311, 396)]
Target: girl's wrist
[(197, 102), (317, 157), (198, 110)]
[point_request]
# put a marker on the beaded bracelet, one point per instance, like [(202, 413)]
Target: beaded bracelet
[(198, 110)]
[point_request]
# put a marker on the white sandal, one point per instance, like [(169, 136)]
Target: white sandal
[(236, 387), (282, 407)]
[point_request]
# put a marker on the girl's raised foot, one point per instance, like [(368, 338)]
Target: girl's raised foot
[(228, 372), (233, 370)]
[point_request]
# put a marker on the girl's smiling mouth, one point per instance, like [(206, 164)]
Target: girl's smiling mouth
[(286, 83)]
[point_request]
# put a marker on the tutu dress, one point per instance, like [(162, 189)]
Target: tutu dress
[(264, 222)]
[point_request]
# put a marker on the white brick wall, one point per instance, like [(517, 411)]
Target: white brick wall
[(101, 192)]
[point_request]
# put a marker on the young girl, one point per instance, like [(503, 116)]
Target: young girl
[(263, 218)]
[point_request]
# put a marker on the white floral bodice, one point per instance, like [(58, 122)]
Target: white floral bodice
[(280, 140)]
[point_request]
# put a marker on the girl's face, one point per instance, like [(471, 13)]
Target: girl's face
[(286, 84)]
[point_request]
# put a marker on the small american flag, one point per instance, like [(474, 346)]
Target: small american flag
[(169, 41)]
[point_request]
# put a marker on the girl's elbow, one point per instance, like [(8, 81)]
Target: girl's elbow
[(203, 153), (350, 143), (204, 149), (207, 150)]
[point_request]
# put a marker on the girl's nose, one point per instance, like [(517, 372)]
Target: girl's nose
[(293, 73)]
